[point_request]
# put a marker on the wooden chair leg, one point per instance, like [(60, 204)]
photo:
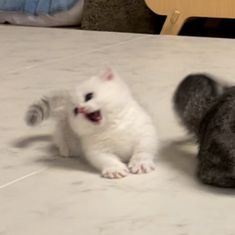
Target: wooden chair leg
[(173, 23)]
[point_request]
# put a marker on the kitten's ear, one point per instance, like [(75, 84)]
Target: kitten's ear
[(108, 74)]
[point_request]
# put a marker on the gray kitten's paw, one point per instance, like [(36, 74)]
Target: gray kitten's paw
[(141, 166), (115, 172)]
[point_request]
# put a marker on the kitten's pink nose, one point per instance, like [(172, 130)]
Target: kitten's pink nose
[(81, 110)]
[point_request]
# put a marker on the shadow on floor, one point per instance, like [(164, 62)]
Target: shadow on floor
[(51, 156), (26, 141), (181, 156)]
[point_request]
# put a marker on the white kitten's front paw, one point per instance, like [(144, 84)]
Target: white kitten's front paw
[(115, 172), (141, 166)]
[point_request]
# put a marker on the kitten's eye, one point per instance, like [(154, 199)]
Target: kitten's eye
[(88, 96), (76, 111)]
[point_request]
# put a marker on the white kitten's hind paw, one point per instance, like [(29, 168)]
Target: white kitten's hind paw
[(141, 166), (115, 172)]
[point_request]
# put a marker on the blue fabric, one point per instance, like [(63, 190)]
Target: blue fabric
[(30, 6), (37, 7), (43, 7), (12, 5)]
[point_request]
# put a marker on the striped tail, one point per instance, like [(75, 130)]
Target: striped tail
[(46, 107)]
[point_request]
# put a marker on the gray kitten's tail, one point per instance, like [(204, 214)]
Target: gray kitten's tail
[(193, 97), (46, 107)]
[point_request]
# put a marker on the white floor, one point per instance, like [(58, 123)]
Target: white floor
[(41, 193)]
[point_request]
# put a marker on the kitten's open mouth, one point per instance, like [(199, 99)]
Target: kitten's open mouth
[(94, 116)]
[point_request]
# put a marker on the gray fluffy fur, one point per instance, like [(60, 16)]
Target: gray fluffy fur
[(206, 109), (193, 97)]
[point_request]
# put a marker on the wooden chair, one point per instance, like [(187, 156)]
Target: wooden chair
[(178, 11)]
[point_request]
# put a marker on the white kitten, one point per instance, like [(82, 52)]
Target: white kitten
[(102, 122)]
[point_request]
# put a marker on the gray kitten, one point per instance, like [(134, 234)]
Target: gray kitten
[(192, 99), (206, 108)]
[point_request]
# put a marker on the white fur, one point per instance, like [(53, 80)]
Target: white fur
[(123, 141)]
